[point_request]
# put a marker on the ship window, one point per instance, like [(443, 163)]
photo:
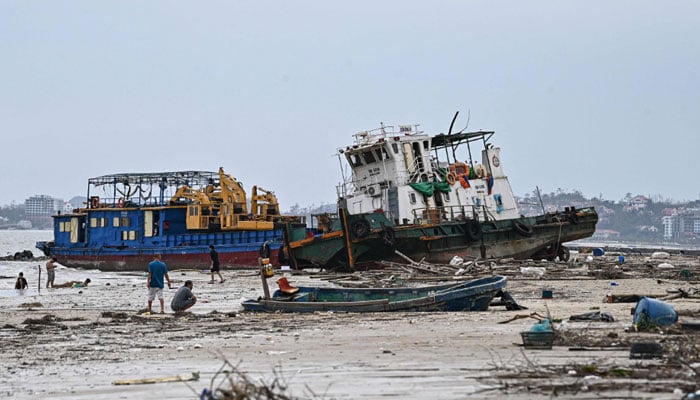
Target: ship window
[(498, 199), (62, 227), (115, 221), (128, 235), (395, 147), (379, 154), (354, 160), (93, 222), (368, 157), (73, 230), (125, 221), (425, 145), (412, 198), (446, 197)]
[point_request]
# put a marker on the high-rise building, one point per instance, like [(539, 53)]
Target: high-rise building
[(40, 208)]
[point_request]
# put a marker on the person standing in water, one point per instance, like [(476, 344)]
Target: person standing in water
[(50, 269), (21, 282)]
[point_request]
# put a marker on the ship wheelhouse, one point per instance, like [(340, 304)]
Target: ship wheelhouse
[(415, 178)]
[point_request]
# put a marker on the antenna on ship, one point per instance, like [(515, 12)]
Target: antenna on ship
[(449, 133), (469, 149)]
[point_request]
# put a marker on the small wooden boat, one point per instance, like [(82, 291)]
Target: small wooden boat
[(475, 295)]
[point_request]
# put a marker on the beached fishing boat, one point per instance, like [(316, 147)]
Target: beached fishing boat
[(427, 197), (132, 216), (475, 295)]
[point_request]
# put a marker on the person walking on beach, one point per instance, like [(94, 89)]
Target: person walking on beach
[(50, 269), (156, 272), (21, 282), (184, 298), (214, 264)]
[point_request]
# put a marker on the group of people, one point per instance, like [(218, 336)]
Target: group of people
[(157, 276), (51, 264), (184, 298)]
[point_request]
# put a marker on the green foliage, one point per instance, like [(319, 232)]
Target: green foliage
[(13, 213)]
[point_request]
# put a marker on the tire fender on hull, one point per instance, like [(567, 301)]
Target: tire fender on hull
[(522, 228), (473, 231)]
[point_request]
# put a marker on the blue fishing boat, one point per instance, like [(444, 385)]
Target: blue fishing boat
[(475, 295), (130, 217)]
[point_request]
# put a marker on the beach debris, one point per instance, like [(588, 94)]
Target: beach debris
[(646, 350), (508, 301), (456, 260), (533, 271), (540, 335), (650, 313), (236, 385), (534, 315), (660, 255), (593, 316), (665, 266), (31, 305), (193, 376)]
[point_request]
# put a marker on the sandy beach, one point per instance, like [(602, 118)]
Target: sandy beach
[(75, 343)]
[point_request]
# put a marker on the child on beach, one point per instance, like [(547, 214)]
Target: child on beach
[(21, 282)]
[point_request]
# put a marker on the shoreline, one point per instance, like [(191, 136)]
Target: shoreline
[(99, 332)]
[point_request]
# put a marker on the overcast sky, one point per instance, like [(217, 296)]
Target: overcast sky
[(601, 96)]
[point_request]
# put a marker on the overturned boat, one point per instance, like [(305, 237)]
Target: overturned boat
[(475, 295), (129, 217), (426, 197)]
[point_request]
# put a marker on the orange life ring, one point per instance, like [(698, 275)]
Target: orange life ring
[(120, 202), (450, 177), (459, 168)]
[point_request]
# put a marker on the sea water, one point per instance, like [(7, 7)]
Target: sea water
[(12, 241)]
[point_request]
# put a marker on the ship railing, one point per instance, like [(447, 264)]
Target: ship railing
[(436, 215), (385, 131)]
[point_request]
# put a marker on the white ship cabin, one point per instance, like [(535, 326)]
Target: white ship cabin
[(415, 178)]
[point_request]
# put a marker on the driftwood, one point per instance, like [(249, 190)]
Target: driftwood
[(194, 376)]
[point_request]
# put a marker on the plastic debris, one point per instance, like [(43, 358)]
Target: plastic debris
[(653, 312), (533, 271)]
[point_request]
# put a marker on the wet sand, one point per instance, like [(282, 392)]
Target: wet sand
[(79, 341)]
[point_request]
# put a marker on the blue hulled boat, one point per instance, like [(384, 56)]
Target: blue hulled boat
[(475, 295), (132, 216)]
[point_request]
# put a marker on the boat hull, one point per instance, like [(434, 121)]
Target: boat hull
[(474, 295), (174, 257), (534, 237)]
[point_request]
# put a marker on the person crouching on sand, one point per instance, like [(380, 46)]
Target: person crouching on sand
[(184, 298)]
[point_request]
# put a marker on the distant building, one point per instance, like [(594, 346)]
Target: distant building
[(40, 208), (682, 223), (636, 203)]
